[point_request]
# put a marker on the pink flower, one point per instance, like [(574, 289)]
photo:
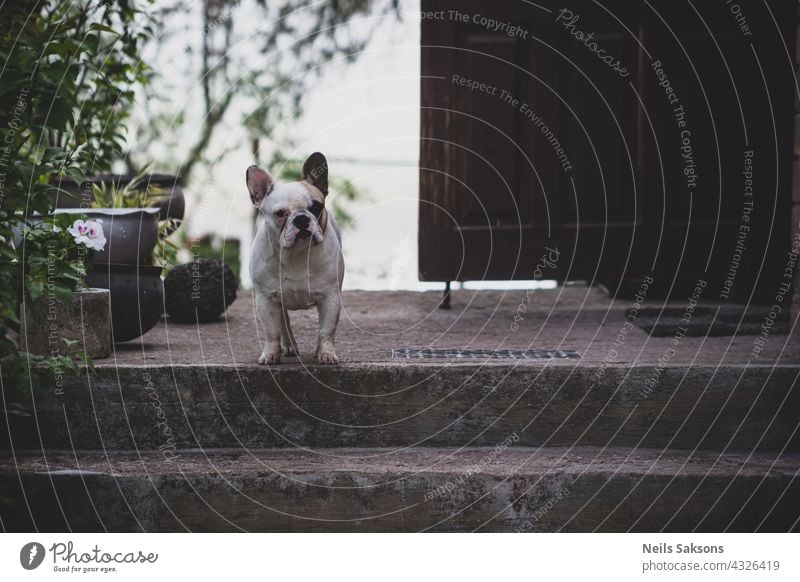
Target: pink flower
[(89, 233)]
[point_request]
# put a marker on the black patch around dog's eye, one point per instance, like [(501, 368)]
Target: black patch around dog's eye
[(316, 208)]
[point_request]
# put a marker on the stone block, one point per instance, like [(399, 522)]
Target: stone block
[(81, 323)]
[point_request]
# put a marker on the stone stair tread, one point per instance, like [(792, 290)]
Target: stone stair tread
[(393, 463), (419, 489), (743, 408)]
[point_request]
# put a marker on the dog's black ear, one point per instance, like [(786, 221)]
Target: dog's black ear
[(315, 172), (260, 184)]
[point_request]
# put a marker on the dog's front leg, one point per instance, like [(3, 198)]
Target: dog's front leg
[(288, 343), (328, 310), (270, 314)]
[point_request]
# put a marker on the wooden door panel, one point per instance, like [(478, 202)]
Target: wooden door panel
[(599, 130), (487, 130), (712, 69), (494, 187)]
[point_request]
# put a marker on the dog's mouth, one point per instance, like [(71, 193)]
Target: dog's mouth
[(291, 234)]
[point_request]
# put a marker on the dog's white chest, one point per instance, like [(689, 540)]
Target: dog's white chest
[(294, 289), (296, 280)]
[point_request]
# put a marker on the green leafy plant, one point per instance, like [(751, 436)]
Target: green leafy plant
[(53, 261), (24, 373), (137, 193), (54, 266), (69, 74), (165, 253)]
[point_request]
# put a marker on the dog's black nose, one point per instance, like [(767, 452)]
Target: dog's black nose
[(301, 221)]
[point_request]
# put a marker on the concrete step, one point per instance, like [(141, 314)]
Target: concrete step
[(731, 407), (485, 489)]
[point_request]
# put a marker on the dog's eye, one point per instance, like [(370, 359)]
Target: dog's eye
[(316, 208), (280, 213)]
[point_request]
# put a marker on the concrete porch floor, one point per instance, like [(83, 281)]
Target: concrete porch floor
[(580, 319)]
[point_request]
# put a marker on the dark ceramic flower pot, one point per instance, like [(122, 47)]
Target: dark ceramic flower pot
[(131, 233), (137, 297)]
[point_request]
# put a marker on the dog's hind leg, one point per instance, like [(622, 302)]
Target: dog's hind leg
[(288, 343)]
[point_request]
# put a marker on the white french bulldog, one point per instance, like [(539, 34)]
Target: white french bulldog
[(297, 259)]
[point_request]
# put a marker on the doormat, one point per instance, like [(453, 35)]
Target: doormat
[(669, 321), (451, 354)]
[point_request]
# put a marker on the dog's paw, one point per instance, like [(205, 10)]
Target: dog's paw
[(327, 357), (269, 359), (289, 351)]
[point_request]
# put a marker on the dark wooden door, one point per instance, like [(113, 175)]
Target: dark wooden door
[(629, 161)]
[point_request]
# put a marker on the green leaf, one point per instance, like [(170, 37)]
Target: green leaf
[(76, 174), (62, 292), (91, 42), (35, 289), (87, 360), (8, 87), (103, 28), (60, 114)]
